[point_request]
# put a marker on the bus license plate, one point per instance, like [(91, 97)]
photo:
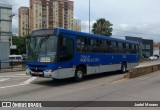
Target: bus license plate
[(36, 73)]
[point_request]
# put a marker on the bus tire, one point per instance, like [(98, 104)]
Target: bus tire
[(79, 74), (123, 68), (55, 80)]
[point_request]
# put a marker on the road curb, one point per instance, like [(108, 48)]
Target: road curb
[(136, 72)]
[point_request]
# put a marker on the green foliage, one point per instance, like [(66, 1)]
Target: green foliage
[(21, 45), (102, 27)]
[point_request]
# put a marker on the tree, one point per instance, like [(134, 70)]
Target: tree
[(21, 45), (102, 27)]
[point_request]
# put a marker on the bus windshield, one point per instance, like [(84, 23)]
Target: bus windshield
[(42, 47)]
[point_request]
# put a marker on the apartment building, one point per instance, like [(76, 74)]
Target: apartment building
[(51, 14), (77, 25), (23, 21)]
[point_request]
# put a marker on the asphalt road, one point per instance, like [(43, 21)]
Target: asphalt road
[(16, 86)]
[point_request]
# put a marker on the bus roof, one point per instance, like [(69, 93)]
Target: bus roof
[(72, 32), (94, 35)]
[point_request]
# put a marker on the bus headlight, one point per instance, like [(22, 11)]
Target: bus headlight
[(49, 71)]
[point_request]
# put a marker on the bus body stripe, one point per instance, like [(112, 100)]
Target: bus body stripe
[(70, 72)]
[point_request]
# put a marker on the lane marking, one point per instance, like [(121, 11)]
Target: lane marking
[(13, 76), (22, 84), (28, 81), (4, 79), (9, 86), (118, 81), (21, 74)]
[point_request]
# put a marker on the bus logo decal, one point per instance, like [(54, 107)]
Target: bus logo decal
[(87, 58)]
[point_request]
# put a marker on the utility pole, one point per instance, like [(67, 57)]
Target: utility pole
[(89, 16), (10, 28)]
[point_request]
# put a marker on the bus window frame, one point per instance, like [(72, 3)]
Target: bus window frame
[(61, 35), (85, 44)]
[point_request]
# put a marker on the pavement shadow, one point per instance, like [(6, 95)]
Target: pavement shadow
[(63, 82), (101, 75)]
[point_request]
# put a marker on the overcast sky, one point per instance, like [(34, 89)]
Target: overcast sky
[(139, 18)]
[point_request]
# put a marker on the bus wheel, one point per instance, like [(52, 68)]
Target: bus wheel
[(79, 74), (123, 68)]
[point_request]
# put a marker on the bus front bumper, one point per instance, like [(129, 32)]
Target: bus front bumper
[(45, 74)]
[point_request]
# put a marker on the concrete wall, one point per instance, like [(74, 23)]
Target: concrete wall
[(139, 71), (4, 54), (5, 22)]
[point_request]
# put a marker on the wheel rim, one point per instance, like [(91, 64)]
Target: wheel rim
[(79, 74)]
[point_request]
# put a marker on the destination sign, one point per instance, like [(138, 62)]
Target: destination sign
[(44, 32)]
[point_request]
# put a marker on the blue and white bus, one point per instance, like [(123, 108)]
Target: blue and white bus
[(59, 53)]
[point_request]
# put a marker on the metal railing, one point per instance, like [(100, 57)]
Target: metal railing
[(9, 65)]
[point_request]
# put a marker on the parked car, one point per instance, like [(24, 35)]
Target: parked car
[(152, 57), (24, 56), (15, 58), (156, 56)]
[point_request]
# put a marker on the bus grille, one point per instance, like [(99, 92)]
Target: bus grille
[(37, 70), (37, 66)]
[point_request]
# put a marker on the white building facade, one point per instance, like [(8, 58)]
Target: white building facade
[(156, 49), (77, 25)]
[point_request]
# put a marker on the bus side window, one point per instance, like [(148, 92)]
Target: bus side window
[(114, 47), (104, 46), (93, 45), (100, 46), (137, 49), (97, 46), (78, 44), (109, 47), (127, 48), (120, 47), (124, 48), (81, 44), (66, 49), (132, 49)]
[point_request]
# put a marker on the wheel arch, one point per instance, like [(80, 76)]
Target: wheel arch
[(83, 66), (125, 62)]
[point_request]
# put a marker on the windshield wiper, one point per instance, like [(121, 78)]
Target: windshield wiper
[(43, 40)]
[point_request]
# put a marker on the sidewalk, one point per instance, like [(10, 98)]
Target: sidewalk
[(149, 63)]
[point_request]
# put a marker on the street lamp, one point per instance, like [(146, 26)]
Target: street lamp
[(89, 16), (10, 16), (10, 28)]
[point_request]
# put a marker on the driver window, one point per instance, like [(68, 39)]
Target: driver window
[(66, 49)]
